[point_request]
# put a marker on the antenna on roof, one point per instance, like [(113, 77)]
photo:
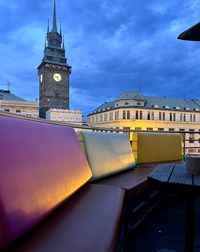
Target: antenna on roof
[(8, 84), (139, 88)]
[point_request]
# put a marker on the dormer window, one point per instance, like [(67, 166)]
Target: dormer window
[(187, 108), (156, 106), (178, 108), (126, 103), (166, 107), (196, 109)]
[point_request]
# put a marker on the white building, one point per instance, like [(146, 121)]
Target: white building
[(14, 104), (64, 115), (135, 111)]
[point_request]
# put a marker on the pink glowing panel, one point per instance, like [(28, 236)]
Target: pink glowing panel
[(41, 165)]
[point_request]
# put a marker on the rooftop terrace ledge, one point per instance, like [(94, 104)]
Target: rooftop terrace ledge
[(85, 127)]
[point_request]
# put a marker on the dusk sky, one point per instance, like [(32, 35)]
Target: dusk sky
[(113, 46)]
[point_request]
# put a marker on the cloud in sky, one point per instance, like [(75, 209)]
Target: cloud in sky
[(112, 45)]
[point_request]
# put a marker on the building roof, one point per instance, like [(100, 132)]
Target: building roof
[(7, 95), (130, 96), (151, 102)]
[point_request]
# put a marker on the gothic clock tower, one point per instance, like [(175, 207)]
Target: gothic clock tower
[(54, 72)]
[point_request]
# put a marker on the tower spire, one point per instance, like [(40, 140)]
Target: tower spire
[(60, 28), (45, 43), (63, 45), (48, 26), (54, 28)]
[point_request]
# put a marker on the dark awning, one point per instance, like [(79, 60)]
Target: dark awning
[(193, 33)]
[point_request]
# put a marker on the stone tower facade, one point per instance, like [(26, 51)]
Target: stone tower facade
[(54, 72)]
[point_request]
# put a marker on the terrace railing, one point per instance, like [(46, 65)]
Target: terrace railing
[(188, 137)]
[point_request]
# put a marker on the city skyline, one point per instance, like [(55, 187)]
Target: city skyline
[(112, 46)]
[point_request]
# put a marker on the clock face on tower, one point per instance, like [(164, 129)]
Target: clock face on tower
[(57, 77)]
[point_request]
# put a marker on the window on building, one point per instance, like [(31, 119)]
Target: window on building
[(97, 119), (171, 129), (160, 116), (18, 111), (148, 115), (105, 117), (138, 103), (191, 150), (126, 103), (152, 115), (7, 110), (194, 118), (149, 129), (141, 115), (117, 115), (124, 114), (191, 136), (110, 116), (190, 117), (101, 118), (184, 117), (136, 114), (181, 117), (117, 129), (138, 128), (181, 129), (160, 129), (126, 128), (163, 116), (56, 94), (174, 116), (170, 116), (128, 114)]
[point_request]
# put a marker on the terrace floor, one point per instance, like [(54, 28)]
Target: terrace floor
[(164, 232)]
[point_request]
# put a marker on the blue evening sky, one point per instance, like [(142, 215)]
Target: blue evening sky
[(112, 45)]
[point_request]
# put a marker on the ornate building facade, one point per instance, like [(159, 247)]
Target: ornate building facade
[(54, 71), (134, 111), (64, 115)]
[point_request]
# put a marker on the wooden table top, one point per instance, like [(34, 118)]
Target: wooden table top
[(174, 174)]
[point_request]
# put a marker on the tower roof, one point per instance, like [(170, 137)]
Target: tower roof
[(54, 28)]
